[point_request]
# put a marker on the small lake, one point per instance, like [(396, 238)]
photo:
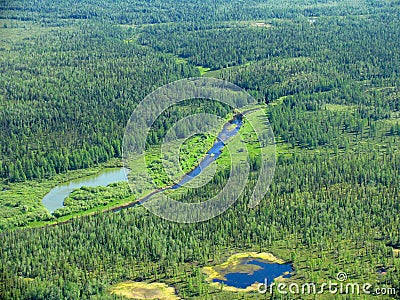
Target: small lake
[(55, 198), (263, 271)]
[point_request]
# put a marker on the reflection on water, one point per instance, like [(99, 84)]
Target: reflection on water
[(55, 198), (263, 271), (227, 132)]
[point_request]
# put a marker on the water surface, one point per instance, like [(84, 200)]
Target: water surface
[(55, 198), (267, 273), (229, 130)]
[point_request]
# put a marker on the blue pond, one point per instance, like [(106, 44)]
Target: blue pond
[(268, 272)]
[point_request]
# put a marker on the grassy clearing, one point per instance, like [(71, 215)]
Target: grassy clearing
[(128, 25), (396, 252), (179, 60), (14, 31), (166, 165), (339, 107), (20, 203), (144, 25), (203, 70), (261, 24), (394, 119), (142, 290), (237, 151), (173, 160), (192, 151), (246, 140), (278, 101), (216, 73)]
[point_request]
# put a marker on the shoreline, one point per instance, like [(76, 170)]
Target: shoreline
[(125, 205)]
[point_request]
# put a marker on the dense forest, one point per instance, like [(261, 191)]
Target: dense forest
[(73, 72)]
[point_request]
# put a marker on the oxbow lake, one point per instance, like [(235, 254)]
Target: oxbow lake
[(55, 198)]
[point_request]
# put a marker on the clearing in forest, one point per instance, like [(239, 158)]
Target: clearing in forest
[(143, 290)]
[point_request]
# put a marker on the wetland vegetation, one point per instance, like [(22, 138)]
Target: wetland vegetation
[(72, 73), (242, 272), (141, 290)]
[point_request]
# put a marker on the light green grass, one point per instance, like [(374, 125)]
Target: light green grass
[(180, 60), (247, 138), (339, 107), (203, 70), (27, 196), (78, 214), (13, 31), (143, 290), (21, 202)]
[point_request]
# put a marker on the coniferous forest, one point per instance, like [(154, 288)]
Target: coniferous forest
[(327, 74)]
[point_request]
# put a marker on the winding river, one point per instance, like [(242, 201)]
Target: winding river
[(227, 132), (55, 198)]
